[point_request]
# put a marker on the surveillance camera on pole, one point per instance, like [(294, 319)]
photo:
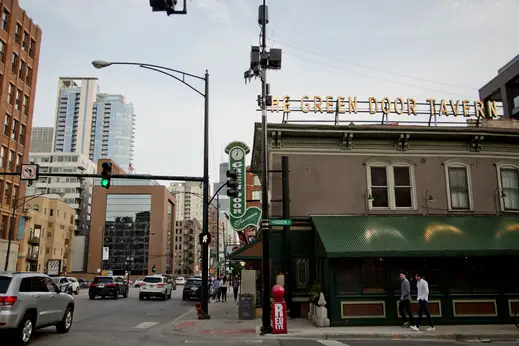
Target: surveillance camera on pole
[(168, 6)]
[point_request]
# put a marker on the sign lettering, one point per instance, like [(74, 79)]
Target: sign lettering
[(385, 105), (279, 313)]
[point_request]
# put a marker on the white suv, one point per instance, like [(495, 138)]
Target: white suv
[(155, 286)]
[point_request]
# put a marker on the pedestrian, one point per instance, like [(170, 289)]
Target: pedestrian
[(217, 291), (236, 287), (405, 301), (422, 287), (223, 288)]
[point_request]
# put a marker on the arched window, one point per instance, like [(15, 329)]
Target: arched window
[(459, 185), (508, 180)]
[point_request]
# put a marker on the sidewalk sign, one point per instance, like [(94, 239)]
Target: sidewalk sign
[(279, 310)]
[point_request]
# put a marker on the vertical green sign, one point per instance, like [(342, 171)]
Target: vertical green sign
[(240, 216)]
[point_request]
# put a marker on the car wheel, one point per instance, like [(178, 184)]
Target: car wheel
[(103, 297), (25, 330), (141, 297), (116, 295), (77, 291), (66, 323), (70, 291), (92, 297), (184, 297)]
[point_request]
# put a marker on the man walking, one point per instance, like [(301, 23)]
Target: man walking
[(405, 301), (236, 287), (423, 296), (216, 286)]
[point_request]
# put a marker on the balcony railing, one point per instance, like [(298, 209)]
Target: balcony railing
[(33, 256), (34, 240)]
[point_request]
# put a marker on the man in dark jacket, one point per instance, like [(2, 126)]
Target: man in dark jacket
[(405, 301)]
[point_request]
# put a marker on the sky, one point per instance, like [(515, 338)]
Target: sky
[(442, 49)]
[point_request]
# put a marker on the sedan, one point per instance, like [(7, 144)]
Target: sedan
[(192, 289), (111, 286)]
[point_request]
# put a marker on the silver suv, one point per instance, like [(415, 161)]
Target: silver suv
[(29, 301)]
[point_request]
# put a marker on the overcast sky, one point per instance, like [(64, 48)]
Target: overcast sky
[(442, 49)]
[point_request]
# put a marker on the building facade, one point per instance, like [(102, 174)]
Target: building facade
[(74, 111), (189, 197), (77, 193), (376, 200), (187, 249), (134, 221), (113, 130), (20, 40), (48, 233), (41, 139)]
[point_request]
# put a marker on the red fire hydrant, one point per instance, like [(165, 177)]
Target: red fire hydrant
[(279, 310)]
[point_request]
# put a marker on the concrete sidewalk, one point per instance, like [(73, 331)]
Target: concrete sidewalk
[(224, 322)]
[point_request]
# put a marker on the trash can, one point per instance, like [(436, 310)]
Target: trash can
[(246, 307)]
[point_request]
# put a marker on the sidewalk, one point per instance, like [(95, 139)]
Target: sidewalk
[(224, 321)]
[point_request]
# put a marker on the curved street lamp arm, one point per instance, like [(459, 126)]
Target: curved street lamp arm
[(150, 66), (181, 80)]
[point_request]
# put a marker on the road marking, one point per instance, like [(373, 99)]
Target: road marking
[(146, 325), (331, 342)]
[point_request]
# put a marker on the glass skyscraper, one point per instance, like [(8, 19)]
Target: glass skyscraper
[(113, 130)]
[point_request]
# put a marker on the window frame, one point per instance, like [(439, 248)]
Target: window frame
[(499, 167), (390, 176), (456, 163)]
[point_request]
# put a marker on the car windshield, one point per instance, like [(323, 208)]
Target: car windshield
[(4, 284), (104, 280), (194, 283), (153, 280)]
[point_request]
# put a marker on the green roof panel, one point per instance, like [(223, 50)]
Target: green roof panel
[(390, 236)]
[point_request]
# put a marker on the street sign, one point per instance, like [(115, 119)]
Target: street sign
[(106, 253), (29, 172), (53, 267), (280, 222)]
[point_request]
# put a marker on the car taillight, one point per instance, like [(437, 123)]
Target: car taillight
[(92, 285), (160, 285), (110, 285), (8, 301)]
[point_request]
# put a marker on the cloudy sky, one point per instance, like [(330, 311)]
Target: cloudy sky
[(408, 48)]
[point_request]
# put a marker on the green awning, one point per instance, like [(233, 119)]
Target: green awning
[(392, 236), (250, 251)]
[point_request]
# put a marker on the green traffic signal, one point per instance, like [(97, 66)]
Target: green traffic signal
[(105, 182)]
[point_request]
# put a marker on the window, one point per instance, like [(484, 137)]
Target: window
[(256, 195), (10, 94), (459, 194), (31, 48), (14, 130), (15, 194), (347, 276), (25, 40), (18, 99), (22, 134), (17, 33), (24, 104), (14, 65), (2, 156), (7, 122), (28, 76), (391, 186), (21, 69), (19, 161), (7, 193), (2, 51), (10, 163), (509, 186), (5, 19), (372, 276)]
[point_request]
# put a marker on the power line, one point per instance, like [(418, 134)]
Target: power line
[(373, 68), (371, 77)]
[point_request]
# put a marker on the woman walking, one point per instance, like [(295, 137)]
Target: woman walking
[(223, 288)]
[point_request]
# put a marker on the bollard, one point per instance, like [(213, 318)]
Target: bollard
[(279, 310)]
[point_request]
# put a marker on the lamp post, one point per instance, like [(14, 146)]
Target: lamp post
[(11, 221), (205, 94)]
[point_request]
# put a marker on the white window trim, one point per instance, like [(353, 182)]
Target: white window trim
[(391, 183), (456, 163), (504, 165)]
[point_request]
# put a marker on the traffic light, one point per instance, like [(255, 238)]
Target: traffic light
[(153, 269), (232, 183), (106, 174)]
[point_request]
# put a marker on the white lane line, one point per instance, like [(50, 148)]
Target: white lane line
[(146, 325), (331, 343)]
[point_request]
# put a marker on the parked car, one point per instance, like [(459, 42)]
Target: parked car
[(180, 280), (111, 286), (63, 283), (171, 280), (192, 289), (30, 301), (155, 286), (74, 285), (83, 283), (138, 282)]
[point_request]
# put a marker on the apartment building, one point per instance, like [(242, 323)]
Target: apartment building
[(373, 200), (20, 40), (189, 196), (77, 193), (47, 234), (41, 139), (187, 249)]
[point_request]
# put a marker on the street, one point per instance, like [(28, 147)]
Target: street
[(119, 322), (302, 342)]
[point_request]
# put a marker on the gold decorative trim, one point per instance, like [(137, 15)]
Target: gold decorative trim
[(363, 302), (429, 301), (474, 301), (510, 301)]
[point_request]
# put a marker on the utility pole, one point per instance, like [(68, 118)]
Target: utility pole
[(261, 61), (217, 235)]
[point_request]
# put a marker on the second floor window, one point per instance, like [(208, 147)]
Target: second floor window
[(510, 187), (458, 184), (391, 186)]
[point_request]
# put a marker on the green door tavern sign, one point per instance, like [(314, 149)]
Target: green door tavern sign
[(240, 216)]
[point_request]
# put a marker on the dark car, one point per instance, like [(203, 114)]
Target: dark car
[(112, 286), (192, 289)]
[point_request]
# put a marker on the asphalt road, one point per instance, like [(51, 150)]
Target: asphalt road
[(119, 322), (299, 342)]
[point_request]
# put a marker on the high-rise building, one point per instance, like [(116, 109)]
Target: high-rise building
[(113, 130), (99, 126), (20, 41), (74, 110), (41, 139), (189, 200)]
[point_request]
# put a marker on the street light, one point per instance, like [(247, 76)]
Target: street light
[(205, 94), (11, 220)]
